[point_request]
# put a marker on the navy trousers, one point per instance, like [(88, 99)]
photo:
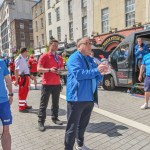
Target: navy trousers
[(78, 115)]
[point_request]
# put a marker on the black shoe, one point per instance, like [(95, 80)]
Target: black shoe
[(41, 126), (29, 107), (57, 121), (24, 111)]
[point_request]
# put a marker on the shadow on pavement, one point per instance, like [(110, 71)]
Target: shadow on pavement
[(62, 112), (55, 127), (109, 128), (117, 89)]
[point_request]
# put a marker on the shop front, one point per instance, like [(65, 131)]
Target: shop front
[(108, 42)]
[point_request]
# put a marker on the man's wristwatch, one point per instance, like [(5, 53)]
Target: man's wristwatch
[(49, 70), (11, 94)]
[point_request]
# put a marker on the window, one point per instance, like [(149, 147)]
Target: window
[(21, 25), (31, 36), (59, 33), (31, 44), (70, 7), (130, 12), (22, 35), (49, 19), (36, 26), (105, 22), (30, 25), (42, 39), (4, 35), (37, 41), (57, 14), (71, 30), (84, 3), (41, 9), (23, 44), (36, 13), (42, 25), (48, 4), (84, 26), (50, 34), (121, 54)]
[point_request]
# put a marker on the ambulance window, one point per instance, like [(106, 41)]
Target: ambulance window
[(123, 53)]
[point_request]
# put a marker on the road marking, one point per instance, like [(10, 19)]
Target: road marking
[(118, 118)]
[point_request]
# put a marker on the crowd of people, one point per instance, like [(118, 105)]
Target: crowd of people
[(83, 72)]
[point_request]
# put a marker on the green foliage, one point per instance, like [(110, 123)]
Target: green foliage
[(30, 51), (47, 48)]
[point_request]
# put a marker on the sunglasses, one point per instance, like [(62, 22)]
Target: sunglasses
[(86, 43)]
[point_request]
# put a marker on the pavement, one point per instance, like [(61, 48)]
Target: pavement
[(106, 131)]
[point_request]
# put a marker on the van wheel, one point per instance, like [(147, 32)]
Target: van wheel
[(108, 83)]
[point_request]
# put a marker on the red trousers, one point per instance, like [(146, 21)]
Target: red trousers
[(23, 92)]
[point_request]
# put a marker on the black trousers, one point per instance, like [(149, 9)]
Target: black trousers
[(78, 115), (54, 90)]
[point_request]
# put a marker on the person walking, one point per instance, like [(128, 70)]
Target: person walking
[(48, 64), (145, 65), (22, 79), (5, 102), (83, 73), (33, 69), (12, 68)]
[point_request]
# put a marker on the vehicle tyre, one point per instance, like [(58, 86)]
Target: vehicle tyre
[(108, 83)]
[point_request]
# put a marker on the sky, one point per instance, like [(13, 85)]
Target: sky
[(1, 1)]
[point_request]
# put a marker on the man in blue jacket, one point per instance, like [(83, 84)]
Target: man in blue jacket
[(82, 80), (140, 50)]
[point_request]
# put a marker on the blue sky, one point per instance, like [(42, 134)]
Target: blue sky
[(1, 1)]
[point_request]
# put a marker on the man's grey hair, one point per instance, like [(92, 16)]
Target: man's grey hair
[(79, 41), (139, 38)]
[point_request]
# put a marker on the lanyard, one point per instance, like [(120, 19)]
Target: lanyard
[(56, 58)]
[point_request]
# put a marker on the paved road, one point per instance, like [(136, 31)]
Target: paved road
[(123, 104), (102, 133)]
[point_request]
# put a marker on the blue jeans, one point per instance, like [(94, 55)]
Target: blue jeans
[(78, 115)]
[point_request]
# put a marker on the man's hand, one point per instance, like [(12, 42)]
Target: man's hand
[(103, 69), (141, 48), (54, 70), (16, 83), (10, 99), (140, 78), (32, 77)]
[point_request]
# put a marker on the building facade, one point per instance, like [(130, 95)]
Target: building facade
[(39, 25), (10, 10), (68, 20), (21, 34), (120, 14), (116, 19)]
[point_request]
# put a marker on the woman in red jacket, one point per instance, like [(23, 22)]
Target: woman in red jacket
[(33, 68)]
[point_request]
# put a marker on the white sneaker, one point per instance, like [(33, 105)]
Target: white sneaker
[(82, 148), (145, 106)]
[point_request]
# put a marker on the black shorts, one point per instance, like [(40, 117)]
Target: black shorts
[(33, 73), (147, 84)]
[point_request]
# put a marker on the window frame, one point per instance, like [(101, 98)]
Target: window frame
[(58, 14), (59, 33), (105, 20), (84, 30), (129, 13)]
